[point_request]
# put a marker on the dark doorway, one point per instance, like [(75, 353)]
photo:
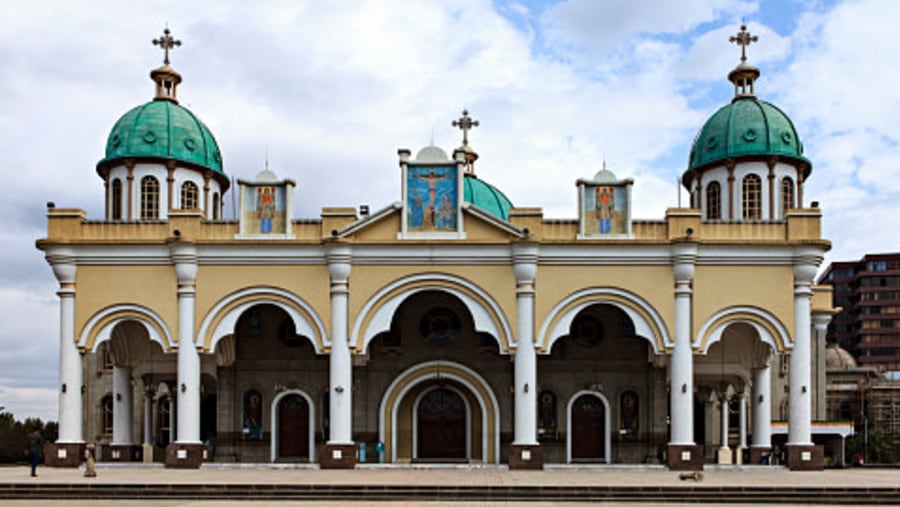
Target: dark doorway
[(441, 422), (588, 429), (293, 428), (207, 417)]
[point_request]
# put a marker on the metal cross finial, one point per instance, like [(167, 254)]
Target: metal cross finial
[(166, 42), (465, 123), (743, 39)]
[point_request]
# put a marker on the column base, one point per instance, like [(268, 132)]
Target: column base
[(147, 453), (724, 456), (185, 455), (760, 456), (64, 455), (684, 457), (805, 457), (526, 457), (337, 456), (122, 452)]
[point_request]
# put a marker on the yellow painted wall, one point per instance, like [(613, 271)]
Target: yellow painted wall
[(310, 283), (652, 283), (98, 287), (767, 287)]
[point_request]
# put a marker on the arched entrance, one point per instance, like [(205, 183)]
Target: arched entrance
[(292, 438), (442, 425), (588, 428)]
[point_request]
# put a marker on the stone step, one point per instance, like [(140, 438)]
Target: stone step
[(322, 492)]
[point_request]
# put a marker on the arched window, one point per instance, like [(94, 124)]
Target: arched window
[(149, 198), (116, 203), (787, 195), (216, 206), (106, 414), (751, 197), (189, 195), (713, 201)]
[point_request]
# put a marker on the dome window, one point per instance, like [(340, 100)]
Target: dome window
[(787, 195), (116, 200), (149, 198), (714, 201), (189, 195), (751, 197)]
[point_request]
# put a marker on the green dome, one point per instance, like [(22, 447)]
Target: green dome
[(746, 127), (486, 196), (163, 129)]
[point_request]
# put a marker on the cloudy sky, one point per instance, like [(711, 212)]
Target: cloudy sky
[(330, 90)]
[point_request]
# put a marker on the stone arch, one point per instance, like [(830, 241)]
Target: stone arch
[(608, 421), (99, 327), (648, 324), (769, 329), (427, 372), (273, 416), (223, 316), (376, 314)]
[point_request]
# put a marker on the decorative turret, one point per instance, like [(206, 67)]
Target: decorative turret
[(747, 162), (160, 156)]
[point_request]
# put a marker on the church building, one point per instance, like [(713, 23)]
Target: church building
[(451, 326)]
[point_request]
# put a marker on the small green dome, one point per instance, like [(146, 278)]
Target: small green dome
[(486, 196), (746, 127), (163, 129)]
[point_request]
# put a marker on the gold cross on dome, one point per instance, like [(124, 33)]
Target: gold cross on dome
[(465, 123), (166, 42), (743, 39)]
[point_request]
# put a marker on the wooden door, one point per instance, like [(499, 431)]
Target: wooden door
[(588, 429), (441, 424), (293, 428)]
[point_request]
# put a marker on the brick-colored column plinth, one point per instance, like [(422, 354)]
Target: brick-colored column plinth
[(805, 457), (337, 456), (526, 457), (184, 455), (63, 455), (685, 457)]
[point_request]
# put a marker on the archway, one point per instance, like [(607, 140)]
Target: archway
[(292, 434), (400, 426), (442, 425), (589, 435)]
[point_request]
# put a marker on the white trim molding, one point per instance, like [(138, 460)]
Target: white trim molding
[(273, 438), (607, 440), (107, 319)]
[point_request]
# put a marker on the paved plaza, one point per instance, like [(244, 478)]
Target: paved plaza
[(653, 477)]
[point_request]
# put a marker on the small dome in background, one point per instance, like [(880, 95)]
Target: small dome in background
[(838, 358), (431, 154), (266, 176)]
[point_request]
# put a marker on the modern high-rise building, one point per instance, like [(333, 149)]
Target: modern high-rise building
[(868, 293)]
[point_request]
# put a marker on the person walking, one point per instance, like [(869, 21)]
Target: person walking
[(35, 448)]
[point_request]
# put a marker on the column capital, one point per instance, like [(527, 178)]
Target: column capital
[(820, 320), (339, 257), (525, 258), (184, 255), (63, 261), (684, 255)]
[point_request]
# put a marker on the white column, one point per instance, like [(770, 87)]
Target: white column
[(742, 421), (70, 367), (339, 364), (681, 368), (148, 417), (525, 266), (723, 413), (800, 378), (184, 256), (762, 407), (122, 409)]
